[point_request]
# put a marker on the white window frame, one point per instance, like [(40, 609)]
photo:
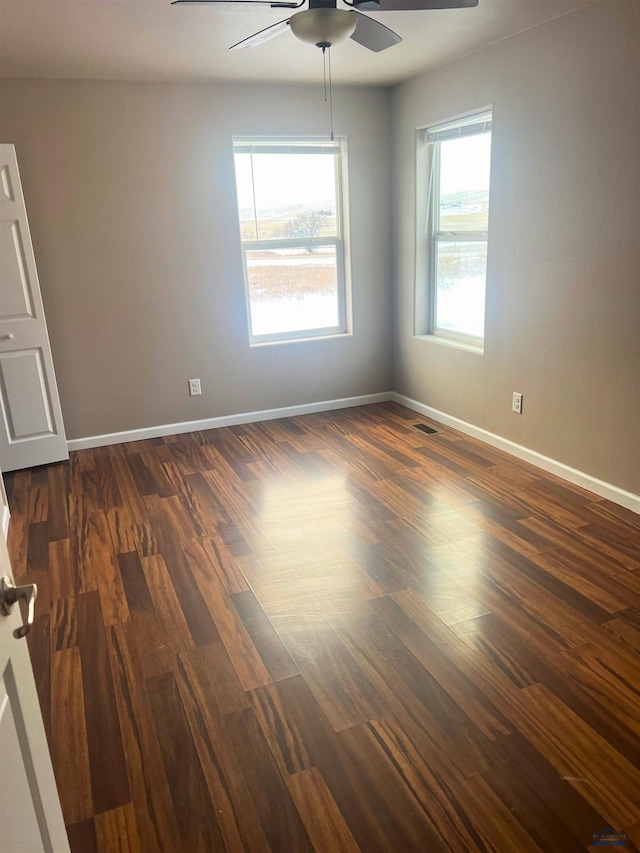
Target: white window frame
[(305, 146), (429, 140)]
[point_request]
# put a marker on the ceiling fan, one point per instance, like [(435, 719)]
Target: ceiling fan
[(323, 24)]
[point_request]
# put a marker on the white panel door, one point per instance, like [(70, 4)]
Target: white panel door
[(31, 427), (30, 815)]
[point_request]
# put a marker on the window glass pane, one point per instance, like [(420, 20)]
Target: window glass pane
[(295, 195), (464, 183), (460, 285), (293, 290)]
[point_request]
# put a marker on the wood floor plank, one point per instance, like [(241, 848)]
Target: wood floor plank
[(612, 591), (82, 836), (362, 783), (383, 573), (507, 649), (134, 583), (143, 478), (157, 652), (113, 598), (246, 659), (531, 569), (212, 551), (541, 823), (277, 813), (226, 687), (576, 750), (284, 737), (202, 500), (624, 632), (557, 618), (130, 495), (446, 598), (146, 543), (63, 623), (177, 513), (561, 797), (18, 533), (601, 671), (186, 589), (84, 579), (434, 798), (480, 711), (109, 781), (38, 549), (268, 644), (38, 496), (116, 831), (428, 714), (194, 811), (239, 820), (70, 753), (342, 689), (166, 603), (320, 814), (61, 572), (121, 529), (492, 820), (150, 791), (100, 487), (588, 542)]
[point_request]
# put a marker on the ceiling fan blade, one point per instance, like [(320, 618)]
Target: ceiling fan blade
[(374, 35), (262, 35), (275, 4), (413, 5)]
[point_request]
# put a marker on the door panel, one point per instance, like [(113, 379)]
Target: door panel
[(16, 287), (24, 397), (6, 189), (30, 813), (31, 428), (16, 794)]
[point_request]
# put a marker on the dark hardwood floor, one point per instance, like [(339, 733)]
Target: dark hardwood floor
[(332, 633)]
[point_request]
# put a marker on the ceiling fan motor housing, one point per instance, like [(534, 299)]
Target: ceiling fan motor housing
[(322, 24)]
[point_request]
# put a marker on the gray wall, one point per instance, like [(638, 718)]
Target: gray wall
[(563, 300), (131, 199)]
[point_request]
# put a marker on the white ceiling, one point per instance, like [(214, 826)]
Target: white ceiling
[(151, 40)]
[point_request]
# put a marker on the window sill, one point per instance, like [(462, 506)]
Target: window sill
[(476, 349), (301, 340)]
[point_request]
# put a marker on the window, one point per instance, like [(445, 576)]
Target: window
[(292, 227), (458, 158)]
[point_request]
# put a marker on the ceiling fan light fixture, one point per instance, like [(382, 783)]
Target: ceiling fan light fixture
[(323, 27)]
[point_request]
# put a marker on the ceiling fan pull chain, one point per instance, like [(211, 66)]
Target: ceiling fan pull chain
[(330, 95), (324, 72)]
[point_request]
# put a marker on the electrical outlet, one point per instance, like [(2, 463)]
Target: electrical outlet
[(194, 387), (516, 403)]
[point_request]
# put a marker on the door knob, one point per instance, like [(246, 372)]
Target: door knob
[(10, 594), (8, 337)]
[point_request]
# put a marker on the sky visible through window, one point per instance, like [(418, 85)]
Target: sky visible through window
[(464, 164), (284, 180)]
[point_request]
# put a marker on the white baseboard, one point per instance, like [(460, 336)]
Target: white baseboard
[(226, 420), (578, 478), (572, 475), (6, 515)]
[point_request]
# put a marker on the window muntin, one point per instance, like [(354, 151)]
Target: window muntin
[(458, 224), (291, 226)]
